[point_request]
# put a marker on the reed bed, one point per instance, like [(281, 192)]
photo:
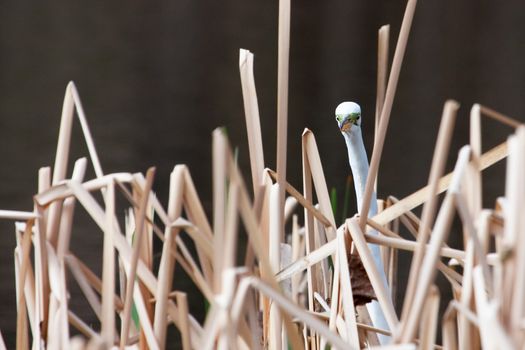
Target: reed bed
[(303, 289)]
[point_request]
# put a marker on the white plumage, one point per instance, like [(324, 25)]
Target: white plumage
[(348, 116)]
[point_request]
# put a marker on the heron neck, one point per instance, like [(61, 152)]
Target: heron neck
[(359, 165)]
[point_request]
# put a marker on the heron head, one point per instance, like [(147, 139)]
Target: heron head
[(348, 116)]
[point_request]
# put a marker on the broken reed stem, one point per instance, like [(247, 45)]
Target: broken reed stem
[(303, 201), (87, 133), (294, 310), (182, 303), (196, 214), (436, 172), (71, 100), (309, 226), (321, 189), (346, 292), (475, 184), (282, 101), (64, 136), (123, 248), (440, 232), (87, 281), (251, 112), (139, 229), (18, 215), (167, 263), (412, 246), (108, 271), (429, 319), (282, 137), (514, 226), (41, 265), (449, 328), (274, 255), (21, 326), (259, 246), (382, 71), (403, 206), (219, 204), (66, 220), (383, 296), (500, 117), (417, 198), (465, 328), (230, 237), (387, 108)]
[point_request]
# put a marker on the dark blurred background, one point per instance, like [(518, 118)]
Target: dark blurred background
[(156, 78)]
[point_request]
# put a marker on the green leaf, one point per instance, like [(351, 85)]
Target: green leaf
[(134, 312), (236, 155), (135, 316), (333, 200), (206, 306)]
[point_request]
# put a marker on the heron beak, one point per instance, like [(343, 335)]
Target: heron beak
[(346, 126)]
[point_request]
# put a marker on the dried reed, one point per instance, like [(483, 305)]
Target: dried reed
[(302, 294)]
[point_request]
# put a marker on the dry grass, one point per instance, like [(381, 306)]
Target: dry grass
[(296, 294)]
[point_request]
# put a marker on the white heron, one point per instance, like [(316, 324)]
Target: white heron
[(348, 116)]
